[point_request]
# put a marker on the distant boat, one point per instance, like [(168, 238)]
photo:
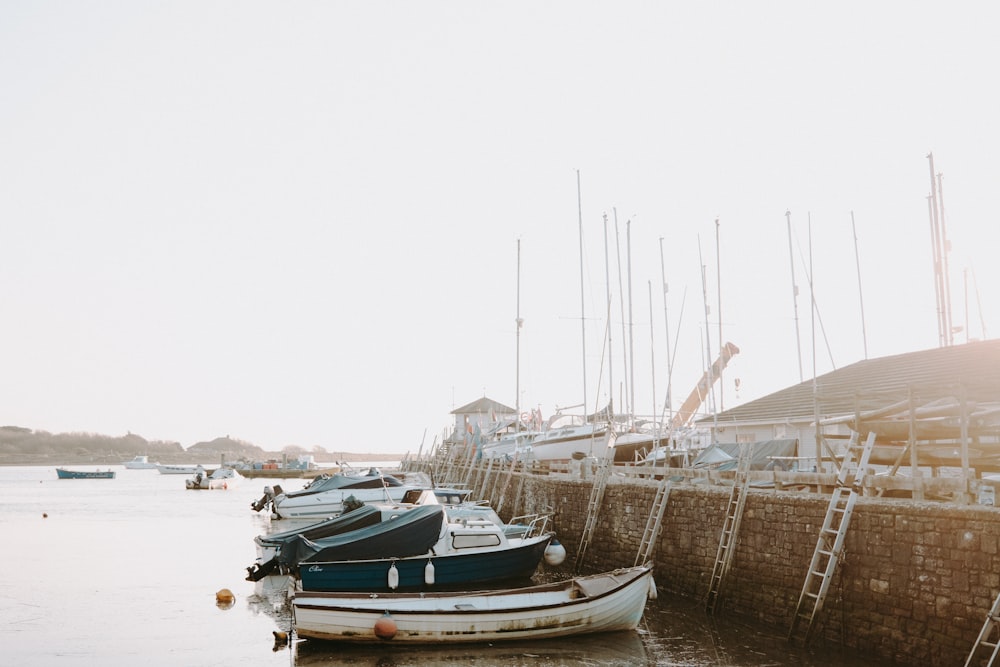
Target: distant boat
[(222, 478), (85, 474), (140, 463), (179, 469), (607, 602)]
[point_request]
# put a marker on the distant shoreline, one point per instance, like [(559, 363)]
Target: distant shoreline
[(330, 459)]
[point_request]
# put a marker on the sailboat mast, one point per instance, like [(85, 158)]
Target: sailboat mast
[(944, 263), (583, 320), (666, 327), (627, 403), (795, 293), (937, 248), (652, 364), (517, 365), (861, 296), (718, 292), (631, 343), (710, 391), (607, 284)]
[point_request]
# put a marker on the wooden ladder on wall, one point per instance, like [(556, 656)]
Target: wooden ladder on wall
[(593, 509), (731, 527), (652, 532), (989, 636), (830, 544)]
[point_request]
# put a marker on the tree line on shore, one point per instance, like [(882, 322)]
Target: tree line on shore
[(24, 446)]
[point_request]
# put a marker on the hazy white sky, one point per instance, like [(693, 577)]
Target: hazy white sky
[(297, 222)]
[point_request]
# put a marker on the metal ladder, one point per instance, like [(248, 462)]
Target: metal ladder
[(830, 544), (731, 528), (649, 536), (991, 628), (593, 509)]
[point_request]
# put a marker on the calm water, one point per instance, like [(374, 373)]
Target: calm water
[(125, 572)]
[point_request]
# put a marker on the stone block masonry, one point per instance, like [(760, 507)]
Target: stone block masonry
[(914, 584)]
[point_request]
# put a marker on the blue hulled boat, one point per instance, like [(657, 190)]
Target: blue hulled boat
[(62, 473), (467, 553)]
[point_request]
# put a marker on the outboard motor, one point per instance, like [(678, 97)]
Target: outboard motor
[(268, 496)]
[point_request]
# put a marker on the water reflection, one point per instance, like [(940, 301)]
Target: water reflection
[(616, 648)]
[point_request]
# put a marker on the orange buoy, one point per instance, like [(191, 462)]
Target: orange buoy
[(385, 627), (224, 598)]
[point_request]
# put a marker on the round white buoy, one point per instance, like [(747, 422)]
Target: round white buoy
[(385, 627), (429, 573), (393, 580), (555, 553)]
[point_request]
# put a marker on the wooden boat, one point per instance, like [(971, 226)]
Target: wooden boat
[(605, 602), (62, 473)]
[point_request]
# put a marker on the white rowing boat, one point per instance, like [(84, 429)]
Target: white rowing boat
[(605, 602)]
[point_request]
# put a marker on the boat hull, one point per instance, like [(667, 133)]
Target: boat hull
[(608, 602), (177, 469), (567, 444), (84, 474), (476, 566), (331, 503)]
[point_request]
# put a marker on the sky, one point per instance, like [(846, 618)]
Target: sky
[(316, 223)]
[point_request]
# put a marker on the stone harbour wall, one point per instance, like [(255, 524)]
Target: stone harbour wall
[(913, 587)]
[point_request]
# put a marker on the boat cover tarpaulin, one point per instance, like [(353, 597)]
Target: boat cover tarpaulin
[(364, 516), (373, 479), (412, 533), (725, 455)]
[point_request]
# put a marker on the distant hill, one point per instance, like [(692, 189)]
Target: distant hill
[(24, 446)]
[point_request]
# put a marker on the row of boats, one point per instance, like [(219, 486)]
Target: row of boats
[(406, 561)]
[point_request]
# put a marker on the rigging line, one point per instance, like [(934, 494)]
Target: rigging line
[(818, 315), (979, 301)]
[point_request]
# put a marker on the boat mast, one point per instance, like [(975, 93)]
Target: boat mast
[(652, 363), (517, 364), (945, 245), (607, 284), (583, 321), (795, 292), (708, 346), (939, 248), (631, 343), (718, 291), (668, 410), (861, 296), (627, 403)]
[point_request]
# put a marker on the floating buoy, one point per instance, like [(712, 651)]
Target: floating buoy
[(385, 627), (393, 580), (429, 573), (224, 598), (45, 515), (555, 553)]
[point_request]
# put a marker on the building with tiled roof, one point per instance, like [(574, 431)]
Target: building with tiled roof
[(936, 399)]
